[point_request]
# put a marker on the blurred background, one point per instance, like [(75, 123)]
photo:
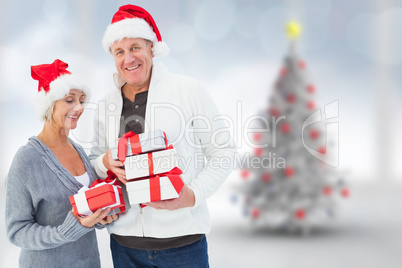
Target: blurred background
[(236, 48)]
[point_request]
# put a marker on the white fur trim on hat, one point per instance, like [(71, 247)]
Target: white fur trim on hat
[(58, 89), (133, 28)]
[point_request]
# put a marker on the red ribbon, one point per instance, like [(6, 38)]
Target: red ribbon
[(110, 178), (166, 141), (155, 186), (169, 147), (151, 161), (150, 164), (135, 145)]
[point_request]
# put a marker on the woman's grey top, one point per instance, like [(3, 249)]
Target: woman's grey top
[(38, 211)]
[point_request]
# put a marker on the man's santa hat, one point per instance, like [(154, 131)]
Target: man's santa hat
[(55, 82), (134, 22)]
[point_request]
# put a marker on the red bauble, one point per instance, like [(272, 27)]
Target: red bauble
[(274, 112), (285, 128), (258, 151), (291, 98), (302, 64), (245, 174), (345, 192), (300, 214), (283, 71), (266, 177), (310, 88), (322, 150), (314, 134), (327, 190), (255, 213), (289, 172), (257, 136), (310, 105)]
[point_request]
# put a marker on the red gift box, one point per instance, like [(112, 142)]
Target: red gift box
[(102, 194)]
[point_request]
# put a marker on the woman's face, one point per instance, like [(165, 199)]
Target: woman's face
[(68, 110)]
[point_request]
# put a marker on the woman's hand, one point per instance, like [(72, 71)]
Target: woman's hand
[(109, 219), (98, 216), (115, 166)]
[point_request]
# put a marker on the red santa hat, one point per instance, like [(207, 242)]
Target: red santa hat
[(55, 81), (134, 22)]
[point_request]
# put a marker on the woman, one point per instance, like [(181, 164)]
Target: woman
[(45, 172)]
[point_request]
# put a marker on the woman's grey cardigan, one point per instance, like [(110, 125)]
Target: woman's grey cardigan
[(38, 212)]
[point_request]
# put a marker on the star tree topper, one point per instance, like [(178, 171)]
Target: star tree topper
[(293, 29)]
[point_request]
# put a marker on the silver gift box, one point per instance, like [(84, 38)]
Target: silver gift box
[(150, 141)]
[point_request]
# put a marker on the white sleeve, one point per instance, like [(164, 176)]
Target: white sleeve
[(217, 146), (97, 151)]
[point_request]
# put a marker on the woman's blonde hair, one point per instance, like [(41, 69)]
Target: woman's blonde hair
[(49, 113)]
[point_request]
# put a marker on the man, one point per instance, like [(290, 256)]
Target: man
[(167, 233)]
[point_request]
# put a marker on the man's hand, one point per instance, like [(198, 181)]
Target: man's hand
[(186, 199), (115, 166)]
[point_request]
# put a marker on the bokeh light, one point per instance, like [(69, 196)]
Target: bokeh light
[(182, 38), (215, 19), (362, 36), (247, 22)]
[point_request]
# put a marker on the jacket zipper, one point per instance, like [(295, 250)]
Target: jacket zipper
[(142, 221)]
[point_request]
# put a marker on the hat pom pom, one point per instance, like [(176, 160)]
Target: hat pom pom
[(160, 49)]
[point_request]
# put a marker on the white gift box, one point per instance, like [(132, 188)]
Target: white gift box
[(148, 164), (150, 141), (140, 191)]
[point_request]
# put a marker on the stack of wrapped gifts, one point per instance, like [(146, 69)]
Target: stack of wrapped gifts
[(151, 166), (101, 194)]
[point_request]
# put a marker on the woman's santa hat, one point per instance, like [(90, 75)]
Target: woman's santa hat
[(134, 22), (55, 82)]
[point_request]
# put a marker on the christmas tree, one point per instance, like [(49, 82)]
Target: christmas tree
[(285, 186)]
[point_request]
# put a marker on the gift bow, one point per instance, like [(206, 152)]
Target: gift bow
[(81, 199), (110, 179), (135, 145), (154, 183)]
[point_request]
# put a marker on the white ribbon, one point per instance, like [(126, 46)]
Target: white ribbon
[(82, 204), (117, 197)]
